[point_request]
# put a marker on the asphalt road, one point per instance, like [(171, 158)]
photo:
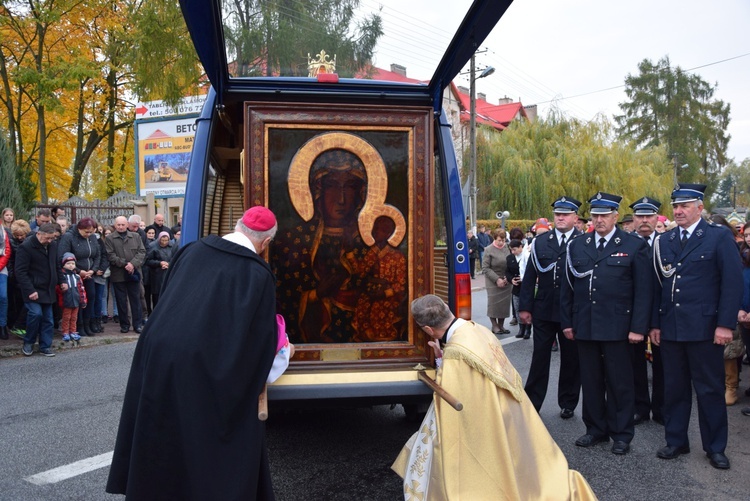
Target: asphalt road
[(59, 416)]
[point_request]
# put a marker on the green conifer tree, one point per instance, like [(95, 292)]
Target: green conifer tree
[(16, 189)]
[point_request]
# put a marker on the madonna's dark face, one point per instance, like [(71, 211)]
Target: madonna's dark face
[(341, 193)]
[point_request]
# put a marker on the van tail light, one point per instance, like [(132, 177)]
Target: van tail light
[(463, 296)]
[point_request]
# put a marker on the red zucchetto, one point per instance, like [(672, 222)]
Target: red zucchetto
[(259, 218)]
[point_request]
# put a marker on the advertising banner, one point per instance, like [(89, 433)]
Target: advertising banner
[(159, 109), (163, 151)]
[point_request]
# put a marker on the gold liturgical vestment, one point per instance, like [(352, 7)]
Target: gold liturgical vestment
[(497, 447)]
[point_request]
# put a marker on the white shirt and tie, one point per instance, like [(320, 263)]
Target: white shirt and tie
[(686, 233), (563, 238), (604, 240)]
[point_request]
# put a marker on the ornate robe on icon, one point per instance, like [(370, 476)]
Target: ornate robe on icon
[(307, 259), (382, 308), (495, 448)]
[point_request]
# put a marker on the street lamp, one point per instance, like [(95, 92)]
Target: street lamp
[(473, 133)]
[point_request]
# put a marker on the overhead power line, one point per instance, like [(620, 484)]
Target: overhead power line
[(623, 85)]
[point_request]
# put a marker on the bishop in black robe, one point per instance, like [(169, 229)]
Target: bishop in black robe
[(189, 428)]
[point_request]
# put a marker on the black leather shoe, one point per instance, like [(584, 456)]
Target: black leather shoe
[(746, 411), (124, 329), (670, 452), (138, 330), (718, 460), (566, 413), (519, 335), (640, 418), (620, 448), (589, 440), (658, 419)]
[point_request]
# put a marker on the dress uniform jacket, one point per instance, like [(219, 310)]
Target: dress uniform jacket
[(540, 295), (705, 291), (542, 299), (606, 306)]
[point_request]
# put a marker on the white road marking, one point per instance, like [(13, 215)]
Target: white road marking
[(71, 470)]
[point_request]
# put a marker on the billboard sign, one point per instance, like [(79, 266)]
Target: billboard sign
[(163, 148), (158, 109)]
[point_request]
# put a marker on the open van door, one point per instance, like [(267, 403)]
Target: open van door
[(363, 179)]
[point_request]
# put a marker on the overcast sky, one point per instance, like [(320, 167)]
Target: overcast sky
[(567, 53)]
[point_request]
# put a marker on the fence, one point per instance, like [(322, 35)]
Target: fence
[(103, 212)]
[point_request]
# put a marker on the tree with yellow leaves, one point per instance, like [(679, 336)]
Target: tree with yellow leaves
[(69, 71)]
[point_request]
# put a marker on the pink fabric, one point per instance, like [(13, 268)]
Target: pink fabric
[(281, 330)]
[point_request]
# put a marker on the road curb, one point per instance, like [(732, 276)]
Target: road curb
[(60, 345)]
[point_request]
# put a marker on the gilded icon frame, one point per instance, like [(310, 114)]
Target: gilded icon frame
[(395, 144)]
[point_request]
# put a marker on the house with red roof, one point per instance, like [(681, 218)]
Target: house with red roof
[(456, 103)]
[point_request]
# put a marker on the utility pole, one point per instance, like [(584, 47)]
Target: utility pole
[(473, 134), (473, 142)]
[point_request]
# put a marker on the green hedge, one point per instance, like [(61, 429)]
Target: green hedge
[(524, 224)]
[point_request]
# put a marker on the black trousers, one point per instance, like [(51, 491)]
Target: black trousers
[(657, 384), (699, 365), (608, 390), (90, 310), (16, 308), (569, 382), (128, 292), (644, 404), (640, 379)]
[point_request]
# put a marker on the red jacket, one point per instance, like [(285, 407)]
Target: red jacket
[(8, 250)]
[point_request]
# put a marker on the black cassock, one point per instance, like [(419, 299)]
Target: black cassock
[(189, 427)]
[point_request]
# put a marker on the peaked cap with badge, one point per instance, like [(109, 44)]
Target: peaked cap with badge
[(566, 205), (688, 193), (604, 203), (645, 207)]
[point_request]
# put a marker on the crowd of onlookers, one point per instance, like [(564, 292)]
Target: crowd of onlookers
[(73, 278)]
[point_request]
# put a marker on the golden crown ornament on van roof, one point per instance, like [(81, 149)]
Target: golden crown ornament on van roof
[(322, 64)]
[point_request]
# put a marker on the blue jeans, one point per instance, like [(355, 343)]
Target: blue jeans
[(39, 323), (99, 305), (111, 292), (3, 300)]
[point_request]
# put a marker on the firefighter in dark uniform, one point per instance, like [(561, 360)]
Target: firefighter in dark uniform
[(645, 216), (539, 302), (701, 291), (606, 304)]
